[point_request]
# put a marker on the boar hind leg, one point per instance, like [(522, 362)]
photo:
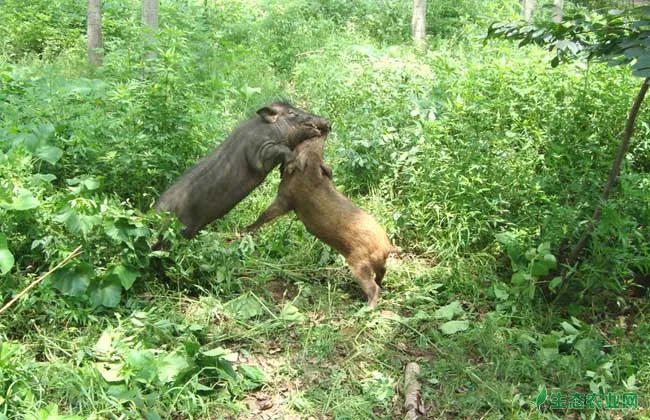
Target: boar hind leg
[(278, 208), (365, 276), (380, 271), (379, 266)]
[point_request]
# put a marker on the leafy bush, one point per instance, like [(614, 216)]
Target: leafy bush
[(478, 159), (43, 28)]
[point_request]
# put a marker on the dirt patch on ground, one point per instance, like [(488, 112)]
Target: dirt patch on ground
[(281, 290), (273, 401)]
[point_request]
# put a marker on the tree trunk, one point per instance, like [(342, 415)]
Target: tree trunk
[(150, 24), (527, 8), (94, 32), (558, 6), (418, 21), (613, 175)]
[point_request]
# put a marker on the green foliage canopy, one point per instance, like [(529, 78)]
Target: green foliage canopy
[(616, 37)]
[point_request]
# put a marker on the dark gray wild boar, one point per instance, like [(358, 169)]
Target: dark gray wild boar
[(307, 189), (219, 181)]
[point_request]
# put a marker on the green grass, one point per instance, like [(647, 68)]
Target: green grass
[(331, 358), (470, 154)]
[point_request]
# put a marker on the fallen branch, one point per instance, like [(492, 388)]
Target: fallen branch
[(70, 256), (412, 400)]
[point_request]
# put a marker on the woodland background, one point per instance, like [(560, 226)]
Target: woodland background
[(483, 162)]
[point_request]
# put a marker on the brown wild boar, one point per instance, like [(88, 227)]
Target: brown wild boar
[(213, 186), (307, 189)]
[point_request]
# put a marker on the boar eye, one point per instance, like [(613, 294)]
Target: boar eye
[(291, 113)]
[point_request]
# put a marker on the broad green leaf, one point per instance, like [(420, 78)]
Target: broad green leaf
[(87, 222), (544, 248), (151, 415), (24, 200), (70, 219), (107, 295), (538, 269), (244, 307), (127, 275), (225, 367), (508, 239), (630, 383), (73, 280), (253, 373), (76, 223), (83, 183), (512, 247), (521, 278), (541, 398), (171, 366), (191, 346), (250, 91), (6, 257), (142, 363), (378, 386), (635, 52), (555, 282), (118, 230), (137, 323), (6, 260), (549, 347), (122, 393), (453, 327), (43, 178), (555, 61), (550, 260), (122, 230), (92, 183), (291, 313), (51, 412), (531, 254), (43, 131), (217, 352), (50, 154), (644, 72), (541, 267), (501, 291), (589, 348), (449, 311), (569, 328)]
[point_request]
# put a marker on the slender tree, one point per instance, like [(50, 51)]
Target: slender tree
[(418, 21), (150, 23), (94, 32), (616, 37), (527, 8), (558, 6), (150, 13)]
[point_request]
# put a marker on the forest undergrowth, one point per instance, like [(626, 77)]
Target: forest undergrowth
[(481, 161)]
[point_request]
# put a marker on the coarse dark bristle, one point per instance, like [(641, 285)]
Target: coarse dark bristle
[(283, 102)]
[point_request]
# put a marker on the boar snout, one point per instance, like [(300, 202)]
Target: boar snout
[(323, 125), (318, 128)]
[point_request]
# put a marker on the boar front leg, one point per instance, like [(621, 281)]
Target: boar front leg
[(278, 208), (270, 155)]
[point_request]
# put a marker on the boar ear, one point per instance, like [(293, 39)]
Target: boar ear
[(326, 171), (268, 114)]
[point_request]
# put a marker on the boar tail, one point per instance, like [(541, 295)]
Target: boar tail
[(395, 250)]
